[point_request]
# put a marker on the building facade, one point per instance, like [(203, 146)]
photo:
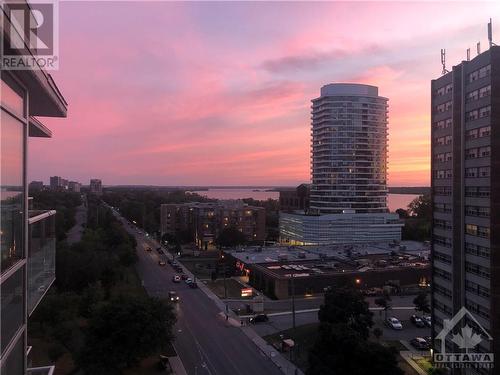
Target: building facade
[(27, 252), (74, 186), (56, 183), (349, 150), (465, 164), (295, 199), (36, 185), (96, 186), (348, 195), (203, 222)]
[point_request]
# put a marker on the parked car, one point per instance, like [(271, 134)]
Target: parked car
[(393, 323), (172, 296), (420, 343), (161, 262), (176, 279), (427, 320), (184, 276), (189, 280), (148, 249), (259, 318), (417, 321)]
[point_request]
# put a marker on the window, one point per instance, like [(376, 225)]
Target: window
[(448, 156), (442, 224), (448, 139), (442, 241), (477, 250), (440, 158), (485, 91), (12, 306), (471, 96), (485, 111), (471, 229), (449, 173), (484, 172), (471, 153), (442, 291), (442, 190), (477, 289), (472, 115), (485, 71), (440, 91), (442, 273), (473, 76), (471, 134), (440, 141), (484, 131), (449, 88), (477, 270), (477, 211), (483, 232), (442, 207), (471, 172), (484, 151)]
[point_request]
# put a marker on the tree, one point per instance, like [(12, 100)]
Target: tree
[(421, 302), (123, 331), (377, 332), (348, 306), (340, 350), (230, 237), (384, 302), (421, 207), (403, 214)]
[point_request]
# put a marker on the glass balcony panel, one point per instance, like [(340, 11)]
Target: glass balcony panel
[(14, 363), (11, 190), (41, 255), (12, 306)]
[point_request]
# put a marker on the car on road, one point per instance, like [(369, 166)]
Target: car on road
[(173, 296), (417, 321), (189, 280), (161, 262), (176, 279), (259, 318), (393, 323), (420, 343), (148, 249), (427, 320)]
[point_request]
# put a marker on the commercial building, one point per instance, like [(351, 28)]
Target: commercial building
[(96, 186), (348, 171), (465, 153), (367, 266), (27, 249), (203, 222)]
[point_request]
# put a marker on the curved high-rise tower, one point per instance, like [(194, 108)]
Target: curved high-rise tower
[(349, 150)]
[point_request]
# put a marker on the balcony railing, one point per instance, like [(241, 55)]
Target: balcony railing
[(41, 255), (46, 370)]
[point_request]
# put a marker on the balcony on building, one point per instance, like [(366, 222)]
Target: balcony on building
[(41, 255)]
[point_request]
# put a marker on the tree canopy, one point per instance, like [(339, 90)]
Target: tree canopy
[(346, 305), (123, 331), (230, 237)]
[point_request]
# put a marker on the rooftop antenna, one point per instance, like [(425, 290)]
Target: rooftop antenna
[(468, 54), (490, 33), (478, 48), (443, 61)]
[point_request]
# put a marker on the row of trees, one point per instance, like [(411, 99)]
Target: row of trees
[(421, 302), (97, 311)]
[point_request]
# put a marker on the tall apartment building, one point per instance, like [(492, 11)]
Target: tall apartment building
[(96, 186), (74, 186), (56, 183), (27, 242), (203, 222), (348, 198), (465, 152), (36, 185)]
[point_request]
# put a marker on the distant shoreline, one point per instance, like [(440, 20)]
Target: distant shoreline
[(393, 190)]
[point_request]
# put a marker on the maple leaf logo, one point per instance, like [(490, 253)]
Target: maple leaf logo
[(467, 339)]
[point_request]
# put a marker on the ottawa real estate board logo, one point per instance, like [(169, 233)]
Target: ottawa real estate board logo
[(31, 35), (466, 339)]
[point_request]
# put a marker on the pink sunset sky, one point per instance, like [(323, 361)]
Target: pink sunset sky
[(219, 93)]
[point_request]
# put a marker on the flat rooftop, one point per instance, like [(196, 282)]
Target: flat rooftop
[(336, 252)]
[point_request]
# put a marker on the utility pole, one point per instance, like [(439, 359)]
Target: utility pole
[(293, 314)]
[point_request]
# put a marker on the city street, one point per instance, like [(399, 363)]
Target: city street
[(204, 341)]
